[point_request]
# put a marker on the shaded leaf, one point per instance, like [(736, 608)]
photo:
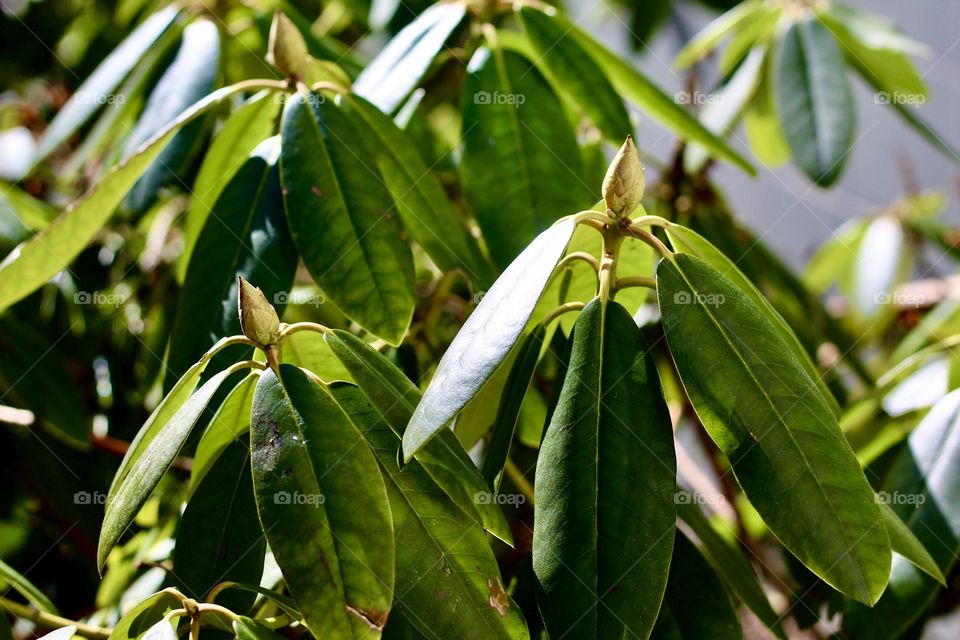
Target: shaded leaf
[(228, 424)]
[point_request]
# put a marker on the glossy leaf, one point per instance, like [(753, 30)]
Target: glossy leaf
[(341, 221), (814, 100), (190, 76), (240, 134), (322, 505), (521, 166), (775, 427), (219, 538), (308, 350), (249, 629), (402, 64), (487, 336), (92, 94), (444, 460), (904, 542), (448, 582), (508, 412), (155, 457), (427, 213), (228, 424), (695, 605), (654, 101), (605, 484), (922, 489), (44, 255), (144, 615), (245, 235), (576, 72)]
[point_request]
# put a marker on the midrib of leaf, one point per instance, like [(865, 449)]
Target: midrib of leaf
[(809, 70), (342, 200), (501, 67), (598, 406), (461, 575), (779, 417)]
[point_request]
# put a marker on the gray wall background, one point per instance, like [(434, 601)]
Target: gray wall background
[(781, 205)]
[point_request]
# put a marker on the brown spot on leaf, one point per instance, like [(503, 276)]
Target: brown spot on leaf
[(316, 192), (498, 597), (375, 619)]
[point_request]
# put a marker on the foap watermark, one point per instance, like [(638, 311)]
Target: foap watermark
[(299, 298), (897, 497), (90, 498), (298, 499), (683, 497), (313, 98), (487, 497), (100, 298), (499, 97), (697, 98), (902, 299), (900, 98), (706, 299), (87, 97)]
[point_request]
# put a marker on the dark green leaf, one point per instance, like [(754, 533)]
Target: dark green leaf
[(44, 255), (393, 74), (448, 582), (427, 214), (323, 506), (904, 542), (341, 220), (229, 423), (92, 94), (696, 605), (923, 488), (155, 457), (246, 127), (521, 165), (487, 336), (814, 100), (605, 485), (219, 538), (189, 78), (576, 72), (250, 629), (246, 234), (775, 427), (508, 412), (444, 460)]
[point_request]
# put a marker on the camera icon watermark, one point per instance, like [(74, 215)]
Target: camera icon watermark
[(89, 498), (99, 298), (499, 97), (297, 499), (706, 299), (488, 497)]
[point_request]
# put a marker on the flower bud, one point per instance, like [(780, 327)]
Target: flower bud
[(624, 183), (258, 318)]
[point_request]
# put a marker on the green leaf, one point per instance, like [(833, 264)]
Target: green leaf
[(145, 471), (521, 166), (92, 94), (761, 123), (35, 374), (776, 428), (444, 460), (427, 213), (607, 458), (814, 100), (655, 102), (730, 564), (228, 424), (323, 506), (21, 213), (936, 325), (714, 33), (249, 629), (308, 350), (922, 489), (340, 217), (904, 542), (403, 63), (757, 32), (144, 615), (508, 412), (576, 72), (219, 538), (448, 582), (486, 337), (245, 235), (190, 77), (240, 134), (696, 605), (688, 241), (10, 578), (44, 255), (833, 262)]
